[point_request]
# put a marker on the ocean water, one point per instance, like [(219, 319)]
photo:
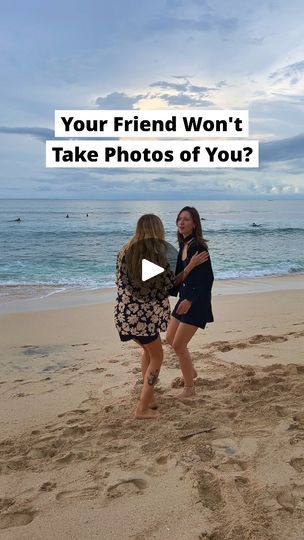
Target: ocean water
[(47, 252)]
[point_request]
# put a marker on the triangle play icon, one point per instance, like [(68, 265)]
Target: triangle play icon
[(149, 269)]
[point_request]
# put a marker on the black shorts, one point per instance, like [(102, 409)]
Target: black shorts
[(143, 340)]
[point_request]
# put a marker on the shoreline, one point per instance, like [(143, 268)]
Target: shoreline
[(80, 297)]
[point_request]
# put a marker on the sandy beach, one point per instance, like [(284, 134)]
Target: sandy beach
[(227, 464)]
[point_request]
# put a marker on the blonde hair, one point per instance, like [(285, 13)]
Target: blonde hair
[(148, 242)]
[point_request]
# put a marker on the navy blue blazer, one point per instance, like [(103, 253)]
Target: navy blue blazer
[(198, 284)]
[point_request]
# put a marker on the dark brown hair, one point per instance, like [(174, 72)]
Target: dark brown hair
[(198, 233)]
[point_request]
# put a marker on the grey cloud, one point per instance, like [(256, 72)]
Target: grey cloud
[(221, 84), (162, 180), (188, 94), (295, 167), (291, 72), (282, 116), (168, 85), (180, 87), (201, 89), (117, 100), (42, 134), (290, 99), (282, 150), (183, 99), (186, 77)]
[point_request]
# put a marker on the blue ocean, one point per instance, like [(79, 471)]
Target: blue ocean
[(48, 252)]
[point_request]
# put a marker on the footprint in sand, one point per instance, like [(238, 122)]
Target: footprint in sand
[(70, 496), (272, 367), (161, 465), (72, 421), (299, 417), (178, 382), (5, 503), (66, 459), (14, 464), (48, 486), (76, 431), (260, 338), (242, 483), (296, 439), (129, 486), (16, 519), (209, 490), (37, 453), (73, 412), (234, 465), (204, 451), (97, 370), (297, 464), (286, 499), (108, 391), (298, 492)]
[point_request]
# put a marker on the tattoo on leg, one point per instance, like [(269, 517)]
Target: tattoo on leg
[(152, 378)]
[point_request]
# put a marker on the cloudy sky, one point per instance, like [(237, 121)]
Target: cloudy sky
[(175, 54)]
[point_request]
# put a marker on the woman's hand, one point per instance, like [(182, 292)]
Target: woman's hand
[(197, 259), (183, 307)]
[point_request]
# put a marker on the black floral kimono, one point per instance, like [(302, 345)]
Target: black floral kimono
[(138, 314)]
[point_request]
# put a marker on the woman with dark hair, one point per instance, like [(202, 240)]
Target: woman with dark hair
[(142, 310), (193, 309)]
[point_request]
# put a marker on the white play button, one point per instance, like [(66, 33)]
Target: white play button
[(149, 269)]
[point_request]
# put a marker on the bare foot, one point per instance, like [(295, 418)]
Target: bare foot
[(153, 405), (187, 392), (147, 413)]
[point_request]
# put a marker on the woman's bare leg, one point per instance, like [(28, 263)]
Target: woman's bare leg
[(155, 352), (171, 330), (145, 361), (183, 335), (173, 326)]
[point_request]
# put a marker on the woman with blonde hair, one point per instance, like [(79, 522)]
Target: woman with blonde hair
[(142, 309)]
